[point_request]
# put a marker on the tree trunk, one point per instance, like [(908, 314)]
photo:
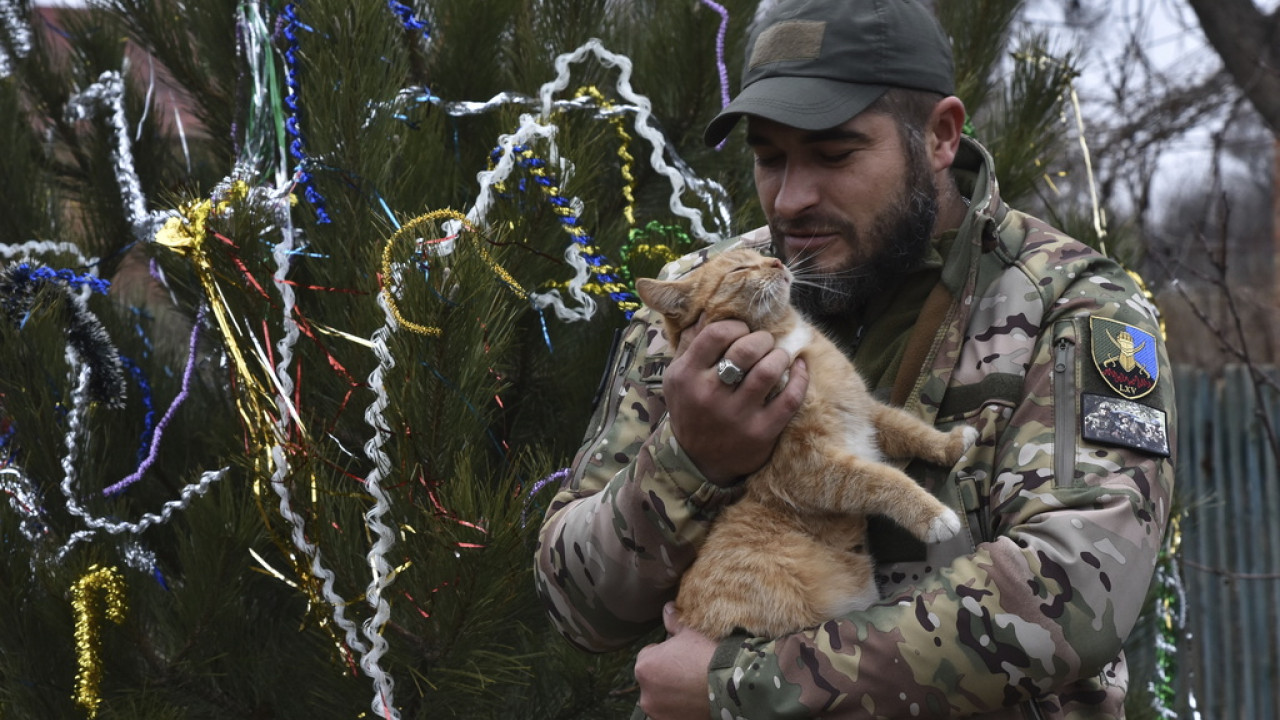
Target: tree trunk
[(1275, 227), (1248, 41)]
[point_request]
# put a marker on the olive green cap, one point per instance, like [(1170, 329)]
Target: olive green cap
[(814, 64)]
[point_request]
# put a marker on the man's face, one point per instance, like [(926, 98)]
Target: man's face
[(850, 209)]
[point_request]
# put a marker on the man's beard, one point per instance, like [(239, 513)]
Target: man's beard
[(900, 236)]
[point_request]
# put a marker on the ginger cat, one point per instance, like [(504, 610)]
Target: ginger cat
[(792, 552)]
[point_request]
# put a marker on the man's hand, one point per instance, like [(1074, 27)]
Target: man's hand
[(729, 430), (673, 674)]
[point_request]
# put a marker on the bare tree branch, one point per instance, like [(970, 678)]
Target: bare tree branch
[(1248, 41)]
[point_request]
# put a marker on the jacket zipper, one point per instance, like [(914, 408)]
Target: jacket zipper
[(617, 373), (1032, 711), (1064, 412)]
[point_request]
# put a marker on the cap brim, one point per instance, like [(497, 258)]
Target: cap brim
[(802, 102)]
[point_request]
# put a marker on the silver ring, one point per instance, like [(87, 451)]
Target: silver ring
[(728, 372)]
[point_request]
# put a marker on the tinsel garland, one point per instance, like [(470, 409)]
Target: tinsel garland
[(16, 31), (155, 438), (298, 146), (83, 330), (108, 94), (1170, 636), (599, 266), (148, 406), (662, 251), (558, 477), (722, 70), (406, 16), (109, 584), (188, 234), (25, 501), (624, 155)]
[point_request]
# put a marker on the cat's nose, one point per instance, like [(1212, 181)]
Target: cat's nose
[(776, 263)]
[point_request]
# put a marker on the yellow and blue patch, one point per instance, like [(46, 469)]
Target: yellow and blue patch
[(1125, 357)]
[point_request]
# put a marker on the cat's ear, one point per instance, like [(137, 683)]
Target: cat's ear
[(668, 297)]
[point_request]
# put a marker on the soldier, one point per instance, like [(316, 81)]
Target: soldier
[(953, 305)]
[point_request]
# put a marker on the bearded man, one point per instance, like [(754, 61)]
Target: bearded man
[(952, 305)]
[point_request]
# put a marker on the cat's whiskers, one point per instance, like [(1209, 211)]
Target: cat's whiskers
[(764, 297), (805, 273), (803, 267)]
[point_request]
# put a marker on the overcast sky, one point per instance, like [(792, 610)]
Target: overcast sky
[(1179, 53)]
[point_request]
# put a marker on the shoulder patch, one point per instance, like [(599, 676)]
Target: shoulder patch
[(1125, 357), (1115, 421)]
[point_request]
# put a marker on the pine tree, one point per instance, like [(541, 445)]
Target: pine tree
[(365, 263)]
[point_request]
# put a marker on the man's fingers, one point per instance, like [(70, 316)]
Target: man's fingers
[(797, 383), (711, 342)]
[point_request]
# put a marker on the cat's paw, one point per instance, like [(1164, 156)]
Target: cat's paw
[(962, 438), (943, 527)]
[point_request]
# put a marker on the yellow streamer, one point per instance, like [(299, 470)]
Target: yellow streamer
[(388, 279), (187, 235), (110, 584), (629, 185), (409, 229)]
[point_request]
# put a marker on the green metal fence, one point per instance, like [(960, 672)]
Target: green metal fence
[(1229, 657)]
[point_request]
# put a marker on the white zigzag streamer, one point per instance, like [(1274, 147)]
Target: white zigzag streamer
[(711, 193), (256, 50), (280, 462), (530, 129), (681, 177), (75, 431), (382, 572), (644, 111)]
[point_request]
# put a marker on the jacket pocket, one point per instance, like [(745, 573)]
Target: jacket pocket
[(1066, 400)]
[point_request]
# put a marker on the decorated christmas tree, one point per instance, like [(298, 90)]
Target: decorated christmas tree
[(304, 309)]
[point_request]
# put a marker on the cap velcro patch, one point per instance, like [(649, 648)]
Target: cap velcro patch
[(790, 40)]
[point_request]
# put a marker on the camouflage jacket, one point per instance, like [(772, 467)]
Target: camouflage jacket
[(1053, 353)]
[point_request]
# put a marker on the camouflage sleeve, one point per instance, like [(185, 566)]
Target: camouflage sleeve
[(628, 521), (1043, 607)]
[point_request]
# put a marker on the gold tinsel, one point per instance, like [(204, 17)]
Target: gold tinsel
[(109, 583), (407, 230), (624, 155)]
